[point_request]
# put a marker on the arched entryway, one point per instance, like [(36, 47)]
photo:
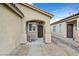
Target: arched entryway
[(35, 30)]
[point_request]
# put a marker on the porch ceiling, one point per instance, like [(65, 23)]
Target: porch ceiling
[(72, 22)]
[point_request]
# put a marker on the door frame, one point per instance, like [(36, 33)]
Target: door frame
[(68, 31), (42, 31)]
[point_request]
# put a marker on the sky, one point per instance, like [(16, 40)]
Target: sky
[(59, 10)]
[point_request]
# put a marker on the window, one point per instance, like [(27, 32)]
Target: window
[(54, 28), (75, 26), (33, 27), (59, 27), (30, 27)]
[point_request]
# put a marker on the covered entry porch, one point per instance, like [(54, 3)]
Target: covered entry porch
[(35, 31), (72, 29)]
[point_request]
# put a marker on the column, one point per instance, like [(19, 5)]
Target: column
[(47, 33), (77, 35)]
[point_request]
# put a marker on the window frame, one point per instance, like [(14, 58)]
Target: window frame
[(54, 28), (32, 27), (60, 27)]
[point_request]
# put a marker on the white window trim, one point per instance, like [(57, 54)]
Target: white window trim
[(32, 28)]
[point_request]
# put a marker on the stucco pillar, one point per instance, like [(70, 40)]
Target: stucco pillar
[(47, 33), (77, 35), (24, 35)]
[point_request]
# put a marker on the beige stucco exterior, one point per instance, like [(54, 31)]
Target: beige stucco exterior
[(77, 36), (62, 32), (13, 28), (59, 32), (10, 30), (34, 15)]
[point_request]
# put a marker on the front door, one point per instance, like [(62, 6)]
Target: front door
[(70, 30), (40, 31)]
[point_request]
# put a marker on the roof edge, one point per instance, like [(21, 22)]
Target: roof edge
[(38, 9), (66, 19), (15, 9)]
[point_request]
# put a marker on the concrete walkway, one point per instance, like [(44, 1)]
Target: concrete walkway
[(66, 41), (38, 48), (35, 49)]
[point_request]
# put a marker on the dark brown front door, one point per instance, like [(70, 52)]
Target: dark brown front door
[(40, 31), (70, 30)]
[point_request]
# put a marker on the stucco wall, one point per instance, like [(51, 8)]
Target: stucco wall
[(59, 32), (77, 36), (34, 15), (63, 32), (10, 30)]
